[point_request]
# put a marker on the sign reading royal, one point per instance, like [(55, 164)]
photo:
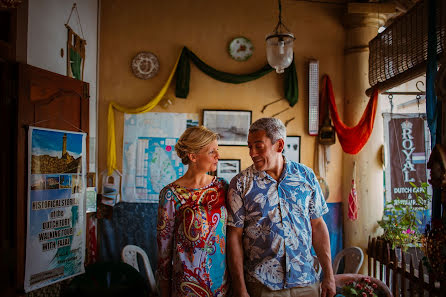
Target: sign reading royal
[(407, 147)]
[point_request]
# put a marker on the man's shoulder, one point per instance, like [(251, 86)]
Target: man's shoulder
[(299, 168), (243, 176)]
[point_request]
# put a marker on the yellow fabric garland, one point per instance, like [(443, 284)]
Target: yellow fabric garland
[(111, 156)]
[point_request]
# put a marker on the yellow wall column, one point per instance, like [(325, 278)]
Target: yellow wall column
[(360, 29)]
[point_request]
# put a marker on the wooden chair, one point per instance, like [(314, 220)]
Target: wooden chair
[(353, 258)]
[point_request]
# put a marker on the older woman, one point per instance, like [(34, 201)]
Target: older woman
[(192, 222)]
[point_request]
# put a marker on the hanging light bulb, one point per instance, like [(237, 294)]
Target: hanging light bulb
[(279, 46)]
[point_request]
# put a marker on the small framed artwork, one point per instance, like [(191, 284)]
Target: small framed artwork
[(228, 168), (91, 179), (291, 150), (231, 125)]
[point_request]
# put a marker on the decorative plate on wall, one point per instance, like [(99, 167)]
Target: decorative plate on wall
[(145, 65), (240, 48)]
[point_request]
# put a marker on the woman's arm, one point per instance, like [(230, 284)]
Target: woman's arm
[(165, 233)]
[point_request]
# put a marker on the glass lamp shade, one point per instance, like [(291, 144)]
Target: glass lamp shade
[(279, 50)]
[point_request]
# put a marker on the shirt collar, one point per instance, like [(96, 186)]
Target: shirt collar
[(262, 174)]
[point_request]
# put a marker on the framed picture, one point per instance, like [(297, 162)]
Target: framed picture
[(228, 168), (291, 150), (231, 125)]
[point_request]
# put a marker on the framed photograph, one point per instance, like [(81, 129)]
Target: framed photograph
[(291, 150), (228, 168), (231, 125)]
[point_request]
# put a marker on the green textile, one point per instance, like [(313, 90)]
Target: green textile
[(75, 60), (290, 84), (183, 76)]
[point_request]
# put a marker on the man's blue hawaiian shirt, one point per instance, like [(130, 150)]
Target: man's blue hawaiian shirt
[(276, 221)]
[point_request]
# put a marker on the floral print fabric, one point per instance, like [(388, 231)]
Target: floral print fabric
[(191, 235), (276, 218)]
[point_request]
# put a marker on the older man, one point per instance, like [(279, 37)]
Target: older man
[(275, 211)]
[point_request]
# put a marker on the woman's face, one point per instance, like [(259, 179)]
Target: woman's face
[(207, 157)]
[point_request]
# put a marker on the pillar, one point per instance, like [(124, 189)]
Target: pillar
[(360, 29)]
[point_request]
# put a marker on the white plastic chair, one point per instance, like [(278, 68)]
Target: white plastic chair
[(130, 256), (353, 258)]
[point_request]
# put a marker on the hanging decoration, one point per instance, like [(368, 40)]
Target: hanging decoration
[(145, 65), (240, 49), (353, 198), (183, 76), (75, 49), (432, 107), (182, 71), (279, 45), (352, 139)]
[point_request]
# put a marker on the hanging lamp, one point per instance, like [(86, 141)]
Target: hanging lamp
[(279, 45)]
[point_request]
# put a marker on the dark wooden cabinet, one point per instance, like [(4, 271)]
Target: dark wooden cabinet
[(29, 96)]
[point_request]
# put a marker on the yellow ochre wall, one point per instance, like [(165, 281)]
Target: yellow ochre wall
[(206, 27)]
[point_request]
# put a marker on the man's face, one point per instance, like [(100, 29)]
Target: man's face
[(263, 153)]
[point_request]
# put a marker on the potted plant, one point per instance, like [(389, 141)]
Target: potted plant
[(358, 285), (400, 222)]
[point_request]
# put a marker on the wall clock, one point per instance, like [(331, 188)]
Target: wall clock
[(145, 65), (240, 48)]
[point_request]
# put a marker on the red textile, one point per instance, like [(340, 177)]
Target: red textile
[(352, 139)]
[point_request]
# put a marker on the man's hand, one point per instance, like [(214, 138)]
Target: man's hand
[(328, 287)]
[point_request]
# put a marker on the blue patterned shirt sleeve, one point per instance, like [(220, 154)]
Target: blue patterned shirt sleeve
[(319, 207), (234, 203)]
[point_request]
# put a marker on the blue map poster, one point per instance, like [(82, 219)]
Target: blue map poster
[(150, 161)]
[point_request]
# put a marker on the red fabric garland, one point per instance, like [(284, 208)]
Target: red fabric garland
[(352, 139)]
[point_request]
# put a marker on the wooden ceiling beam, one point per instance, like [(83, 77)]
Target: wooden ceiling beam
[(371, 8)]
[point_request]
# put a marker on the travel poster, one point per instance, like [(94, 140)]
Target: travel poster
[(55, 241)]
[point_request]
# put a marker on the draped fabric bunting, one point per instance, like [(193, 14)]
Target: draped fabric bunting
[(352, 139), (183, 76), (182, 69)]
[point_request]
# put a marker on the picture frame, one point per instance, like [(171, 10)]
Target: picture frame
[(231, 125), (228, 168), (291, 150)]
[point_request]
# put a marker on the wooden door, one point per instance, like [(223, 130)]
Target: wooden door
[(43, 99)]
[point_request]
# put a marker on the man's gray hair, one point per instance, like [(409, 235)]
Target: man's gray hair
[(273, 127)]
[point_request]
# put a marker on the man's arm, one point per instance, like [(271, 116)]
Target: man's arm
[(235, 260), (321, 244)]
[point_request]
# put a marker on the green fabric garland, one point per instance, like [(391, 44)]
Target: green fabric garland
[(183, 76)]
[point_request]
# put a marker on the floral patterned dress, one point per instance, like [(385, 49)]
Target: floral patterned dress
[(191, 235)]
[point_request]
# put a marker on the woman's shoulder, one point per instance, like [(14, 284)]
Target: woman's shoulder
[(168, 191)]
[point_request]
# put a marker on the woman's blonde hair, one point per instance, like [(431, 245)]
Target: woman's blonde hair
[(192, 141)]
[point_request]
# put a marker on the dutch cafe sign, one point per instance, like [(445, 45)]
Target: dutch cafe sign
[(407, 158)]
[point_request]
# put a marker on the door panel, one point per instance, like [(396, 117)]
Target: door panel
[(42, 99)]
